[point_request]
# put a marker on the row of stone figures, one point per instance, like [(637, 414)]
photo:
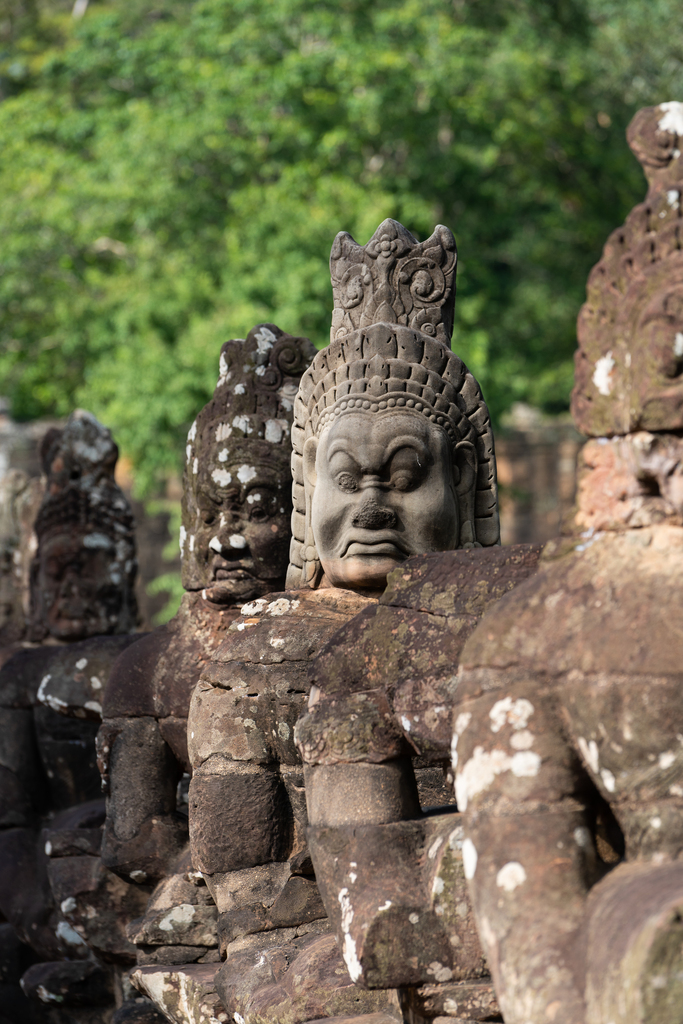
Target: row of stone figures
[(377, 768)]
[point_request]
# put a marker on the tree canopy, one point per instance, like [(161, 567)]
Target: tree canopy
[(174, 171)]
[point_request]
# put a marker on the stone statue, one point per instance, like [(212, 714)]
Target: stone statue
[(82, 611), (20, 497), (392, 456), (234, 542), (568, 741)]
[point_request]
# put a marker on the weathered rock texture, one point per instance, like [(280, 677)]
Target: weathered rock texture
[(568, 723), (82, 604), (630, 330), (234, 543), (378, 727)]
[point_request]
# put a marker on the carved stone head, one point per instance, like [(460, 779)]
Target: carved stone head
[(83, 573), (237, 504), (629, 365), (392, 443)]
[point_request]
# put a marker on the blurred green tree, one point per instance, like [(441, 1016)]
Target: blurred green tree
[(174, 171)]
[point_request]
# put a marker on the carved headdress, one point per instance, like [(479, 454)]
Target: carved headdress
[(629, 364), (390, 347)]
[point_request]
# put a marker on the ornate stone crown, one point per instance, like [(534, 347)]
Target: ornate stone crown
[(394, 279), (390, 348)]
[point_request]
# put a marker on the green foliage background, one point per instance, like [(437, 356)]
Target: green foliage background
[(174, 171)]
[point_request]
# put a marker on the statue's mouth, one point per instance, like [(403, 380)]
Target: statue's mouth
[(368, 543), (237, 573)]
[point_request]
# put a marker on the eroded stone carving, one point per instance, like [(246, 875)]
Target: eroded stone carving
[(568, 722), (234, 544), (83, 610), (392, 456), (630, 329)]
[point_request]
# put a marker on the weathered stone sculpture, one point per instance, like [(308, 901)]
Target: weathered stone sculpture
[(81, 586), (234, 544), (20, 497), (393, 456), (569, 722)]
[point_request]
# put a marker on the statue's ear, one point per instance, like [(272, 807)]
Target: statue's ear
[(309, 455), (466, 462)]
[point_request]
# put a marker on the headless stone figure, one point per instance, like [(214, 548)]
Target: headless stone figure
[(569, 718), (82, 612), (392, 457), (234, 544)]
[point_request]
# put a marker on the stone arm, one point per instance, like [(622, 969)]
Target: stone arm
[(528, 853), (143, 832)]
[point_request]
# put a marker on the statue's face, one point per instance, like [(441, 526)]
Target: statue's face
[(79, 584), (236, 536), (381, 488)]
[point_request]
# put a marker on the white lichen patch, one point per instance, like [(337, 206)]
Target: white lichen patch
[(182, 537), (273, 431), (195, 466), (240, 389), (138, 875), (254, 607), (522, 740), (385, 906), (469, 859), (405, 723), (95, 683), (97, 540), (223, 432), (666, 759), (236, 540), (81, 663), (215, 545), (67, 905), (414, 918), (281, 606), (224, 455), (67, 934), (672, 121), (265, 339), (93, 705), (242, 423), (245, 474), (462, 721), (439, 972), (656, 822), (253, 497), (582, 837), (484, 766), (192, 432), (510, 876), (222, 477), (437, 886), (353, 964), (283, 730), (608, 780), (277, 642), (602, 374), (510, 712), (672, 198), (589, 752), (177, 918)]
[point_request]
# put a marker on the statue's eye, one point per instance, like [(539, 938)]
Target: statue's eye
[(402, 481), (407, 470), (259, 514), (346, 482), (208, 516)]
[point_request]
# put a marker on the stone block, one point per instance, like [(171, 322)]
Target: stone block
[(238, 820), (346, 794), (70, 984), (184, 994)]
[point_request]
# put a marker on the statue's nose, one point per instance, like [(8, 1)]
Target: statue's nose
[(371, 516)]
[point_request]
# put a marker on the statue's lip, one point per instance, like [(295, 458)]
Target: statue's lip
[(239, 573), (374, 542)]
